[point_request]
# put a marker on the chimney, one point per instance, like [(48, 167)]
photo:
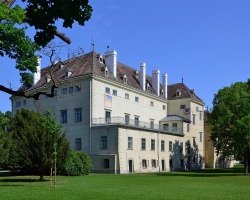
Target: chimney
[(143, 76), (156, 81), (37, 74), (111, 61), (165, 85)]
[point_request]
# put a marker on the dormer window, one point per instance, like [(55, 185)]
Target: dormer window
[(178, 93), (161, 92), (47, 79), (106, 71), (148, 86), (68, 73), (137, 74), (101, 59), (124, 78)]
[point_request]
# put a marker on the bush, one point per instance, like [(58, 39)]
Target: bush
[(77, 163)]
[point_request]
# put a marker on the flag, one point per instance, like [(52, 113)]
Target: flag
[(107, 101)]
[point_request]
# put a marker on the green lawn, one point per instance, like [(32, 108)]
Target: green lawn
[(208, 184)]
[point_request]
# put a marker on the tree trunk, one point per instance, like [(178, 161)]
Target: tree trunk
[(41, 175), (248, 164)]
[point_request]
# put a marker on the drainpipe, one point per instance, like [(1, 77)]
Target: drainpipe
[(90, 118), (158, 151)]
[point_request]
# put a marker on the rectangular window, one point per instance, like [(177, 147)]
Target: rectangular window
[(64, 91), (78, 88), (64, 116), (197, 109), (181, 147), (153, 163), (152, 144), (78, 144), (163, 107), (71, 89), (151, 103), (165, 127), (127, 119), (103, 142), (105, 163), (162, 145), (193, 118), (130, 142), (144, 163), (174, 126), (107, 90), (183, 106), (78, 114), (136, 121), (152, 123), (126, 96), (170, 146), (200, 136), (108, 117), (115, 92), (137, 99), (188, 128), (143, 144), (200, 115)]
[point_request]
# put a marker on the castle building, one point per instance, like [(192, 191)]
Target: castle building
[(125, 119)]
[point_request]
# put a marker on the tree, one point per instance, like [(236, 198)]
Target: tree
[(230, 122), (42, 15), (34, 136)]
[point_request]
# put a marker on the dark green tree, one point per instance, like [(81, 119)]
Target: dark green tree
[(34, 136), (42, 15), (230, 122)]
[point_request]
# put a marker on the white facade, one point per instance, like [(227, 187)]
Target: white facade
[(125, 129)]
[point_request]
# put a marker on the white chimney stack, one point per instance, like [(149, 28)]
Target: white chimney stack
[(165, 85), (156, 81), (111, 61), (143, 76), (37, 74)]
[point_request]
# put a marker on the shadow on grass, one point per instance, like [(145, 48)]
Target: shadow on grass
[(20, 180), (207, 173)]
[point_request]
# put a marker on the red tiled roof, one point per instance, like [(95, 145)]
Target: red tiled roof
[(90, 64)]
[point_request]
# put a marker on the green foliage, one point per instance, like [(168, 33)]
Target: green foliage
[(34, 136), (77, 164), (230, 121)]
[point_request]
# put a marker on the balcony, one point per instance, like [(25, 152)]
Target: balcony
[(134, 123)]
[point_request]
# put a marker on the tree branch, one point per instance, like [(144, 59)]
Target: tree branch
[(62, 36)]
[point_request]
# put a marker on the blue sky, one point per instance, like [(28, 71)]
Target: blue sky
[(205, 42)]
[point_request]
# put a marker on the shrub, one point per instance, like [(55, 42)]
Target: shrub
[(77, 163)]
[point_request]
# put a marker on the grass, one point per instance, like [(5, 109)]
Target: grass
[(206, 184)]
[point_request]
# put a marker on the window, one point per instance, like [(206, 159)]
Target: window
[(143, 144), (188, 128), (162, 145), (178, 93), (78, 88), (165, 127), (183, 106), (136, 99), (108, 116), (24, 102), (126, 96), (78, 114), (200, 115), (125, 78), (174, 126), (170, 146), (127, 119), (106, 71), (18, 104), (115, 92), (197, 109), (130, 143), (194, 142), (71, 89), (200, 136), (107, 90), (105, 163), (153, 163), (64, 91), (170, 163), (152, 144), (136, 121), (63, 116), (148, 86), (103, 144), (152, 122), (144, 163), (163, 107), (181, 147), (78, 144), (151, 103), (193, 118)]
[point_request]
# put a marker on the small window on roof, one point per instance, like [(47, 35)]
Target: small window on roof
[(137, 74), (162, 92), (101, 59), (178, 93), (125, 78), (148, 86), (106, 71)]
